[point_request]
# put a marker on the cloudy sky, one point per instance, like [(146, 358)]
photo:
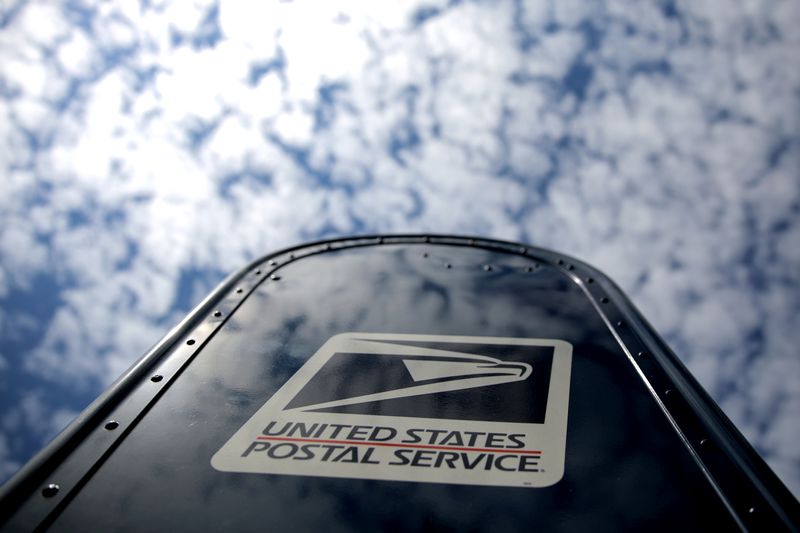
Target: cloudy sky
[(149, 148)]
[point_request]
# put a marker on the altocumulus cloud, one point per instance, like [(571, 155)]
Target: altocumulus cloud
[(147, 149)]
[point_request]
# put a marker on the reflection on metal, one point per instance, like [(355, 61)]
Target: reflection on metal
[(646, 448)]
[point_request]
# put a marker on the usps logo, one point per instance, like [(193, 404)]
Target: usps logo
[(416, 408)]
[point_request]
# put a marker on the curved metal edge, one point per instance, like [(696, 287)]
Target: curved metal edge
[(728, 435), (24, 481), (31, 475), (721, 429)]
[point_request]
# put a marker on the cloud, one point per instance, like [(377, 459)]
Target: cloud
[(8, 466), (658, 142)]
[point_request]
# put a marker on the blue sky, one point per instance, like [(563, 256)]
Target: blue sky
[(149, 148)]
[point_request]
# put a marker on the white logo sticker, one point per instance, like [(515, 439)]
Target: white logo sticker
[(424, 408)]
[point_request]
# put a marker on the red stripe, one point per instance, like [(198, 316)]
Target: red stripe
[(400, 445)]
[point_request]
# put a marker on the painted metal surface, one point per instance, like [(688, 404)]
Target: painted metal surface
[(645, 447)]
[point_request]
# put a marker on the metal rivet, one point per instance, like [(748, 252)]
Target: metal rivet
[(620, 324), (239, 290), (380, 240), (427, 239), (190, 342), (523, 250), (560, 261), (112, 425), (487, 268), (589, 280), (258, 272), (272, 262), (705, 443), (328, 246), (642, 354), (50, 490), (448, 265), (528, 269), (751, 510), (156, 378), (217, 313), (425, 254), (471, 242), (274, 277), (570, 267), (291, 256), (604, 300), (669, 393)]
